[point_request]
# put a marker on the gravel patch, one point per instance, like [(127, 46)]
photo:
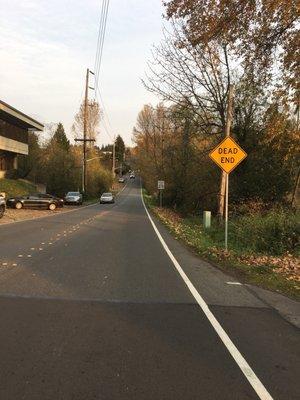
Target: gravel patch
[(12, 215)]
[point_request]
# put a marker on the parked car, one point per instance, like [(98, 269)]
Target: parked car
[(107, 198), (37, 200), (121, 179), (132, 176), (73, 198), (2, 206)]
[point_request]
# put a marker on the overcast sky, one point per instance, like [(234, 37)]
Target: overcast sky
[(46, 46)]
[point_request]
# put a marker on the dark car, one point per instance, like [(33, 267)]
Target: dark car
[(73, 198), (2, 206), (37, 200)]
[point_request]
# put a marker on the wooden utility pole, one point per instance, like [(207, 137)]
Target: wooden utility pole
[(85, 124), (114, 158), (224, 176)]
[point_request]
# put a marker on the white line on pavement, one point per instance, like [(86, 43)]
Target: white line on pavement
[(254, 381)]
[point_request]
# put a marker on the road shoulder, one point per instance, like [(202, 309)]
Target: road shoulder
[(220, 288)]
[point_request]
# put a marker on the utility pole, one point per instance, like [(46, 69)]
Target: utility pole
[(85, 124), (224, 177), (85, 128), (114, 158)]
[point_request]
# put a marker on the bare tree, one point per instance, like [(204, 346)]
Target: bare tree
[(197, 76), (93, 120), (194, 76)]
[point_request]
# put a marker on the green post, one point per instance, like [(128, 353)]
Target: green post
[(207, 219)]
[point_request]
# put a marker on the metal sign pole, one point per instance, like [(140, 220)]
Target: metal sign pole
[(160, 198), (226, 212)]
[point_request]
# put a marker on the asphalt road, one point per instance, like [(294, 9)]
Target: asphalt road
[(92, 307)]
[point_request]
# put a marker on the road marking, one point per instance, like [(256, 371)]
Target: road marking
[(20, 255), (252, 378), (28, 255), (4, 264), (234, 283)]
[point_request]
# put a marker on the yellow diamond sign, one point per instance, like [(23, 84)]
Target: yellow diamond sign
[(227, 155)]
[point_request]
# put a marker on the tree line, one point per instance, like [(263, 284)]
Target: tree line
[(58, 164), (207, 48)]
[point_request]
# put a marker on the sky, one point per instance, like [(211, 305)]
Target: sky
[(46, 46)]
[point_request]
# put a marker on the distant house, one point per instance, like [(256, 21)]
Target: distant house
[(14, 128)]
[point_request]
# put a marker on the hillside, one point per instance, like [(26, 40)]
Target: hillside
[(16, 187)]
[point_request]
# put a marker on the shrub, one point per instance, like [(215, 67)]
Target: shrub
[(275, 232)]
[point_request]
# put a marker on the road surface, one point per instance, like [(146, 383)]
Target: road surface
[(92, 307)]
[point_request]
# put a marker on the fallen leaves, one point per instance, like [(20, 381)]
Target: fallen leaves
[(287, 265)]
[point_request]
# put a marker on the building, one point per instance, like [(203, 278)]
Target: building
[(14, 128)]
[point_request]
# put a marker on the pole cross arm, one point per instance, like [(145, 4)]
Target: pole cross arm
[(85, 140)]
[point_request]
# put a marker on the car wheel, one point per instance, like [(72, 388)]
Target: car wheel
[(18, 205), (52, 206)]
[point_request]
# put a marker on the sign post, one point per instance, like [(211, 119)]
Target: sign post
[(227, 155), (160, 187)]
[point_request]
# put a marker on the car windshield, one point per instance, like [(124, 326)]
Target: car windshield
[(107, 195), (73, 194)]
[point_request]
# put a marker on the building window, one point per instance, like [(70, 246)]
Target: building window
[(6, 162)]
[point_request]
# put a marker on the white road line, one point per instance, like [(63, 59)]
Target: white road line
[(254, 381), (234, 283)]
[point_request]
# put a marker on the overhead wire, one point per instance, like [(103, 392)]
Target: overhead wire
[(98, 61), (101, 38)]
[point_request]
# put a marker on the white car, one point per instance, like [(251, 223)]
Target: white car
[(73, 198), (121, 180), (132, 176), (107, 198)]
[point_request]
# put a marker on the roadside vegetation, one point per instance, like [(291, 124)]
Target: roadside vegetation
[(263, 247), (16, 187), (192, 70)]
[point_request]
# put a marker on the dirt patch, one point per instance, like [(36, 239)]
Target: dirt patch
[(12, 215)]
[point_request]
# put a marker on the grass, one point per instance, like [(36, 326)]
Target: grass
[(16, 187), (263, 249)]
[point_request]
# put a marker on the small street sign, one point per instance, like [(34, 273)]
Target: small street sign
[(160, 185), (228, 154)]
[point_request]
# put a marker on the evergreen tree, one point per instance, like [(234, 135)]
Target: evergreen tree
[(60, 137), (120, 148)]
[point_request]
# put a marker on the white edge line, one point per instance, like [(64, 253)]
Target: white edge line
[(254, 381), (54, 215)]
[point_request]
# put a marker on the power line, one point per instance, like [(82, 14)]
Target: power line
[(98, 60), (101, 38)]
